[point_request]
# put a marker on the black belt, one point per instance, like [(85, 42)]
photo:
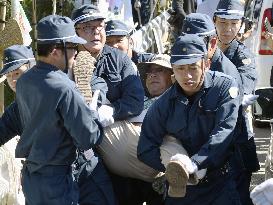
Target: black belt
[(212, 175)]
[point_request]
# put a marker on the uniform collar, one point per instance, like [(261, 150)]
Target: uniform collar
[(177, 91), (43, 65), (232, 48)]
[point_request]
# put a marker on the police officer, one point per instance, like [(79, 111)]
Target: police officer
[(54, 117), (17, 60), (118, 36), (125, 91), (228, 19), (200, 110), (203, 26)]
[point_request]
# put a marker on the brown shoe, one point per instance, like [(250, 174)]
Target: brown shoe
[(82, 72), (177, 177)]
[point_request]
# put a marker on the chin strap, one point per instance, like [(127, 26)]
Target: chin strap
[(66, 59)]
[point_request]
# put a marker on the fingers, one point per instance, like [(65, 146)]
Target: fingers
[(94, 102)]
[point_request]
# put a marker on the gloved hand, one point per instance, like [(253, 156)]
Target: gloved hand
[(201, 173), (106, 115), (263, 193), (249, 99), (94, 103), (191, 167)]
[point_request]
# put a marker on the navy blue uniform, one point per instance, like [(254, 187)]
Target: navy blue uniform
[(245, 160), (204, 124), (10, 123), (243, 59), (50, 135), (221, 63), (125, 91)]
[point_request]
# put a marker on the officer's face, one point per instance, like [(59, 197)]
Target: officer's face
[(158, 79), (59, 56), (227, 29), (190, 77), (13, 76), (120, 42), (94, 33)]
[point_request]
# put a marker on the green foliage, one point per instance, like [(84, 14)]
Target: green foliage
[(45, 7)]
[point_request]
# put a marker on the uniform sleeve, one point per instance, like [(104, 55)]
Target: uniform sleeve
[(213, 153), (145, 57), (247, 71), (79, 120), (10, 124), (151, 137), (131, 102)]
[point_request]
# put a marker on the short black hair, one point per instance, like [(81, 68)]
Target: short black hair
[(45, 49)]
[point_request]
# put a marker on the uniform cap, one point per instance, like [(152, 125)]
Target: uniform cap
[(116, 28), (230, 9), (57, 29), (200, 24), (188, 49), (85, 13), (15, 56)]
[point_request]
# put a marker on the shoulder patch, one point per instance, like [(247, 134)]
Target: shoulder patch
[(233, 91), (246, 61)]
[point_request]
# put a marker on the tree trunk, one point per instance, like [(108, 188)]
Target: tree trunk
[(3, 12)]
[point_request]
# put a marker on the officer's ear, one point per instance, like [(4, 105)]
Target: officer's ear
[(214, 19), (56, 52), (131, 42)]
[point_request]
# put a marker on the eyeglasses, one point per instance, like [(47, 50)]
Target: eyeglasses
[(91, 29)]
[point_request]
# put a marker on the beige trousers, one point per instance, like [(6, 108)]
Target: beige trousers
[(119, 151)]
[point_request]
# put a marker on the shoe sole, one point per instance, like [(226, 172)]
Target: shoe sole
[(82, 71), (177, 178)]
